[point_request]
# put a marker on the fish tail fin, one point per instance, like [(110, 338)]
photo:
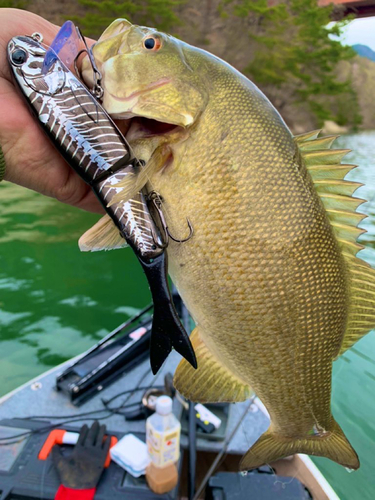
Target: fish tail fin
[(272, 446), (167, 333)]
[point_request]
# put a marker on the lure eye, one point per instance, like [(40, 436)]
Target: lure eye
[(19, 56), (152, 43)]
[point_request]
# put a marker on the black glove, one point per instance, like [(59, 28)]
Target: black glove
[(84, 466)]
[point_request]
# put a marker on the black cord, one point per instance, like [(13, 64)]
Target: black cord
[(4, 441), (106, 402), (192, 450), (23, 435), (192, 425), (222, 452)]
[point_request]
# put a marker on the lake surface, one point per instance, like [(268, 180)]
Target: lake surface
[(56, 302)]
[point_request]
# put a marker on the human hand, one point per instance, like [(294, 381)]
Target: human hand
[(84, 466), (31, 159)]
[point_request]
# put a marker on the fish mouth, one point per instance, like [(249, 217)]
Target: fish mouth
[(140, 127), (134, 125)]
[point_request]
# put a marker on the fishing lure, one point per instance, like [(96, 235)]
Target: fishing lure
[(91, 143)]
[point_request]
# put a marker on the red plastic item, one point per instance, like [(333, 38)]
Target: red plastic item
[(64, 493), (57, 437)]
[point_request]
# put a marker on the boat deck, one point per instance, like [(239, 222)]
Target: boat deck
[(40, 398)]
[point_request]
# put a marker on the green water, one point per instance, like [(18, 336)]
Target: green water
[(55, 302)]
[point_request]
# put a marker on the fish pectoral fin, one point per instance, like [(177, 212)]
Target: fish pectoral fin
[(126, 189), (271, 447), (103, 236), (211, 382), (132, 183)]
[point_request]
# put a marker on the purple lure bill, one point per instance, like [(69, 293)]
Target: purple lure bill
[(65, 46)]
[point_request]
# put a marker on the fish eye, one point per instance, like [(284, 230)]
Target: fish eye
[(152, 43), (19, 56)]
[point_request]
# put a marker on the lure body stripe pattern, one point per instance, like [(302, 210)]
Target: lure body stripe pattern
[(89, 140)]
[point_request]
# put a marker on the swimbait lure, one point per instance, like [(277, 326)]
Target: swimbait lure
[(91, 143)]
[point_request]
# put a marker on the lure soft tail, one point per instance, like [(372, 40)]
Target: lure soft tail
[(167, 330)]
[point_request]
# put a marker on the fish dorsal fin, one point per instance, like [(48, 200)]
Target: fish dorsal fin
[(104, 235), (309, 136), (313, 144), (327, 172)]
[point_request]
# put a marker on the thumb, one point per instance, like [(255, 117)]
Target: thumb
[(106, 446)]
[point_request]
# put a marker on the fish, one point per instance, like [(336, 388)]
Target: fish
[(271, 277), (91, 143)]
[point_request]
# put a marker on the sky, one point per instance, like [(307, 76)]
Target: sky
[(360, 31)]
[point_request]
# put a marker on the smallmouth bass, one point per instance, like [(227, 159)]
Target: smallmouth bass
[(270, 276)]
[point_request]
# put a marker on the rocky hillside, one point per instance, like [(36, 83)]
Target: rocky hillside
[(363, 76), (202, 24), (364, 51)]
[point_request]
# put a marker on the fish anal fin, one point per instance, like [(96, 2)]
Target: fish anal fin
[(104, 235), (211, 382), (272, 446)]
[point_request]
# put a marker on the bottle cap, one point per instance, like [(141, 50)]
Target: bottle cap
[(164, 405)]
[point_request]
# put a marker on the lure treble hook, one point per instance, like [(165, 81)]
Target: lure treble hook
[(156, 200)]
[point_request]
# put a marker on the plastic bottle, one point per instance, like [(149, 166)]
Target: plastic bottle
[(163, 443)]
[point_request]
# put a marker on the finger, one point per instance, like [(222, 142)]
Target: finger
[(57, 456), (82, 435), (100, 437), (106, 445), (93, 433)]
